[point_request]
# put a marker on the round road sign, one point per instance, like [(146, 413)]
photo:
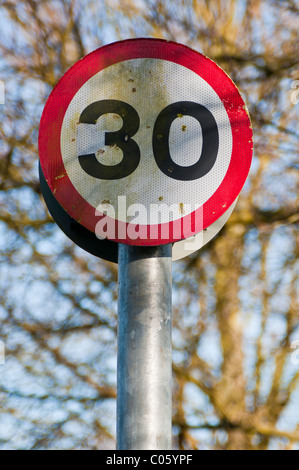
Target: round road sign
[(145, 142)]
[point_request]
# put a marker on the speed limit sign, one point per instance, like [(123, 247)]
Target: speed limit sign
[(145, 142)]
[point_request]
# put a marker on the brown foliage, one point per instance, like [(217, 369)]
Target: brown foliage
[(235, 302)]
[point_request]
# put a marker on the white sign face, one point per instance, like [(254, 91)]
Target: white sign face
[(146, 142), (149, 86)]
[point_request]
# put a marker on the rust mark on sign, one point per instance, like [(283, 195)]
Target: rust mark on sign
[(181, 208), (60, 176)]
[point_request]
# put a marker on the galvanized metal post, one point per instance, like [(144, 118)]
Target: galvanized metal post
[(144, 378)]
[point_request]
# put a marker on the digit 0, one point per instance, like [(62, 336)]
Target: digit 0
[(210, 139)]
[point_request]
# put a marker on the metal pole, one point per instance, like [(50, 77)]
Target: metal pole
[(144, 378)]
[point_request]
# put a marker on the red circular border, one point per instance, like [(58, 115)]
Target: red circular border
[(61, 96)]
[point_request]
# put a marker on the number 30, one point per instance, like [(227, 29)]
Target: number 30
[(131, 152)]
